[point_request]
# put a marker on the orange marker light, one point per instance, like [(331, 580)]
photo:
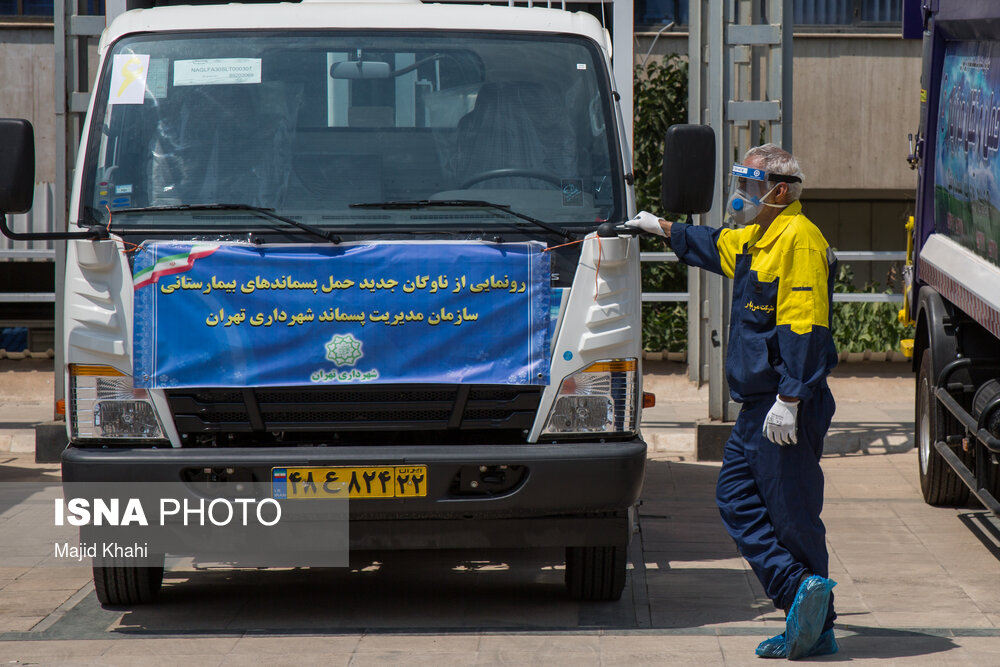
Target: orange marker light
[(648, 399)]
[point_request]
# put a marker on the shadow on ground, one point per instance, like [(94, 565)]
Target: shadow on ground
[(888, 644), (19, 483), (686, 579), (674, 582), (868, 438)]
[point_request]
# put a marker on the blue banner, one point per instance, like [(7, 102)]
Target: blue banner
[(225, 315)]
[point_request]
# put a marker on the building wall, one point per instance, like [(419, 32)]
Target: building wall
[(864, 224), (855, 99), (28, 84)]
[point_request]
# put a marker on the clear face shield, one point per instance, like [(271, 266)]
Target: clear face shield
[(749, 190)]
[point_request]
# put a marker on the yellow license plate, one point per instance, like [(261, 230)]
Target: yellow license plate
[(359, 482)]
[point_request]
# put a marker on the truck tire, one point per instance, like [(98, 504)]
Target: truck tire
[(596, 573), (124, 585), (938, 482)]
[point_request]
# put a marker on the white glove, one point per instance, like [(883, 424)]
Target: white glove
[(647, 222), (779, 425)]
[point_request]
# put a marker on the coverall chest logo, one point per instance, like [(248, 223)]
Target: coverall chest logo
[(759, 299), (756, 307)]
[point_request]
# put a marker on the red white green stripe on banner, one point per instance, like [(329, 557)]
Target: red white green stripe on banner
[(172, 264)]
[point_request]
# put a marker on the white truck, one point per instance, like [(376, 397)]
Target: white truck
[(270, 201)]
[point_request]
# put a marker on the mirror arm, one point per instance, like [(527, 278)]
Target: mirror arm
[(93, 233)]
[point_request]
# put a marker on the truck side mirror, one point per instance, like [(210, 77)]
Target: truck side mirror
[(17, 165), (688, 182), (17, 182)]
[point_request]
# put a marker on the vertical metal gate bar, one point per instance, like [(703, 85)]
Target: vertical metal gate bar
[(732, 45)]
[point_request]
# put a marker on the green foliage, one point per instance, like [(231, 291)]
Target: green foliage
[(660, 96), (865, 326), (664, 327)]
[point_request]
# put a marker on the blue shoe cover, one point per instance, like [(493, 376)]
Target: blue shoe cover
[(825, 645), (773, 647), (807, 616)]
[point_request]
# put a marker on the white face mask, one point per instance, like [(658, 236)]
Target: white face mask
[(743, 207)]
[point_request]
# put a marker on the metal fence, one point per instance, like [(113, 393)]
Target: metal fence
[(838, 297), (41, 218)]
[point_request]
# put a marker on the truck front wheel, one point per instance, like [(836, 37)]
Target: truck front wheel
[(938, 482), (596, 573), (124, 585)]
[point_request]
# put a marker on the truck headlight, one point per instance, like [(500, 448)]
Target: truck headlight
[(599, 399), (105, 405)]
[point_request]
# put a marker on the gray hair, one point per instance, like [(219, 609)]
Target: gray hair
[(775, 159)]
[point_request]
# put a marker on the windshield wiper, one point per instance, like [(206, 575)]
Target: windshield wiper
[(266, 212), (466, 203)]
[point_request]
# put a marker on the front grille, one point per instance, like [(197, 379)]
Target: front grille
[(352, 394), (286, 417), (353, 409)]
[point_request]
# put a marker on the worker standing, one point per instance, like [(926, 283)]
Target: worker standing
[(770, 488)]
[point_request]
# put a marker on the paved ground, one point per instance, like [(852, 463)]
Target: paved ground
[(917, 585), (26, 394)]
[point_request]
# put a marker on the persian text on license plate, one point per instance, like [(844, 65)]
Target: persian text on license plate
[(355, 482)]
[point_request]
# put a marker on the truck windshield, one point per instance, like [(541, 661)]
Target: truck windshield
[(309, 123)]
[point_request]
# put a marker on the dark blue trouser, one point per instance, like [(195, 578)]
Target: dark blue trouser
[(770, 497)]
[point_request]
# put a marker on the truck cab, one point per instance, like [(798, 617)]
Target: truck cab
[(262, 194)]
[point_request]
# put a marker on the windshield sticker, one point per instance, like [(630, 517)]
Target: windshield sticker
[(156, 80), (215, 71), (582, 66), (572, 192), (128, 78)]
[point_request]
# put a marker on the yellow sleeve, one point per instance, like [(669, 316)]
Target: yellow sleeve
[(803, 301), (730, 243)]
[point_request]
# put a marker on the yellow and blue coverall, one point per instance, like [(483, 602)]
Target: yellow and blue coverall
[(770, 496)]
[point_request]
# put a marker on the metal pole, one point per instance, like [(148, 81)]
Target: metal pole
[(696, 114), (716, 289), (623, 61), (61, 199), (787, 51)]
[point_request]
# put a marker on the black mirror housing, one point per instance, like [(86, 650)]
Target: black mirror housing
[(688, 169), (17, 165), (17, 182)]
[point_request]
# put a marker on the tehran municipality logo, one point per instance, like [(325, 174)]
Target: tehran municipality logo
[(344, 350)]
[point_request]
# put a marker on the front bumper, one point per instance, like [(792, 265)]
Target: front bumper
[(567, 494)]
